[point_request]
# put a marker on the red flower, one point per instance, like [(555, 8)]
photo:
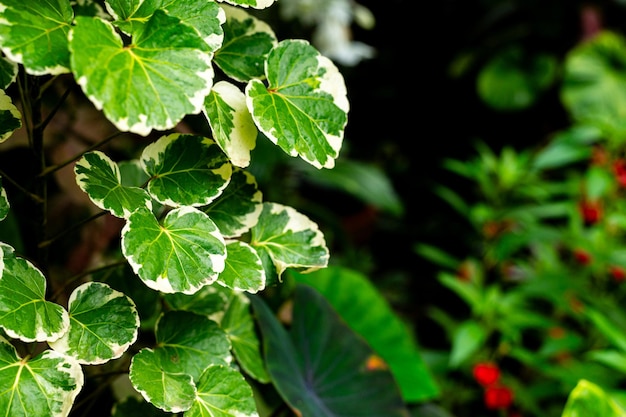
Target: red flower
[(582, 257), (498, 397), (591, 211), (619, 168), (486, 373), (618, 273)]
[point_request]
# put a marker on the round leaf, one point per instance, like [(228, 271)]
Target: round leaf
[(99, 177), (103, 324), (10, 117), (185, 170), (35, 34), (289, 238), (170, 391), (153, 83), (304, 109), (184, 254), (244, 270), (44, 386), (24, 312), (223, 392)]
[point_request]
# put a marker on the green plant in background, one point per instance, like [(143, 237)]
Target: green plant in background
[(188, 256), (544, 285)]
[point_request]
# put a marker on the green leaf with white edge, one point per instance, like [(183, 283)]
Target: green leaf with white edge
[(188, 343), (247, 41), (8, 72), (44, 386), (183, 254), (35, 34), (161, 77), (185, 170), (223, 392), (24, 312), (256, 4), (238, 324), (304, 109), (173, 392), (366, 312), (290, 239), (239, 206), (590, 400), (244, 270), (205, 16), (209, 301), (231, 123), (10, 117), (320, 364), (100, 178), (103, 324), (4, 208)]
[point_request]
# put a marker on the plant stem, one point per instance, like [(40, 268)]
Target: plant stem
[(32, 196), (84, 274), (49, 241)]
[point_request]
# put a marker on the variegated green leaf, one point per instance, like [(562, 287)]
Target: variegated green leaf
[(100, 178), (238, 324), (238, 208), (247, 41), (4, 208), (223, 392), (10, 117), (163, 75), (186, 170), (171, 391), (44, 386), (103, 324), (257, 4), (188, 343), (24, 312), (35, 34), (304, 109), (231, 122), (290, 239), (183, 254), (8, 72), (244, 270), (205, 16)]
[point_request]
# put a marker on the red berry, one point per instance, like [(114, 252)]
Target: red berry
[(582, 257), (591, 211), (486, 373), (619, 169), (498, 397), (618, 273)]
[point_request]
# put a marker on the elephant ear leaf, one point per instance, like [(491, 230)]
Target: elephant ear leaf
[(304, 107)]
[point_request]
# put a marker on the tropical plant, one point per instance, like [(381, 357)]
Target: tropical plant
[(164, 256)]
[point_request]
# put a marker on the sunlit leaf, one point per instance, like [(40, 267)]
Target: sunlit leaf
[(183, 254), (257, 4), (10, 117), (322, 364), (35, 34), (223, 392), (161, 77), (170, 391), (366, 312), (24, 312), (205, 16), (590, 400), (243, 270), (289, 238), (467, 339), (239, 206), (100, 178), (231, 122), (185, 170), (238, 324), (44, 386), (304, 109), (247, 41), (103, 324)]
